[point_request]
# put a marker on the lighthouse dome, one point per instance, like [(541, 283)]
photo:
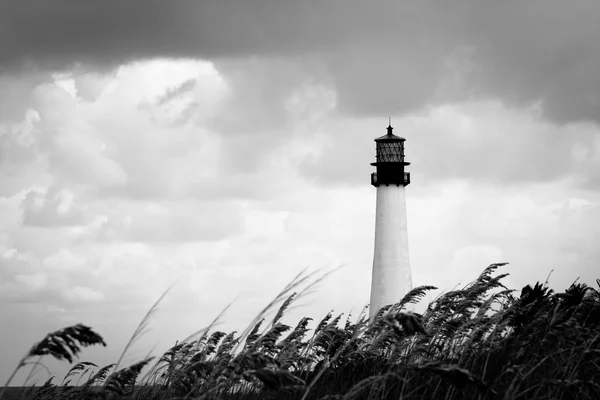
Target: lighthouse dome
[(389, 136)]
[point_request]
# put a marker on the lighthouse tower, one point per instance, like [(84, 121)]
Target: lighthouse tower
[(391, 278)]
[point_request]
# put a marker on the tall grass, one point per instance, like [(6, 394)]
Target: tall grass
[(479, 342)]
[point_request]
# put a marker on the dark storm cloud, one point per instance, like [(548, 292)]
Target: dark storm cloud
[(383, 57), (540, 50)]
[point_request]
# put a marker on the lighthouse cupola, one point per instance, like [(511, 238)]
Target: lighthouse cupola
[(390, 162)]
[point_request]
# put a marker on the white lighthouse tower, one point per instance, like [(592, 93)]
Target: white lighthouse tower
[(391, 278)]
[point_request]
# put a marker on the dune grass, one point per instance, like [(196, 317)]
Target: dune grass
[(478, 342)]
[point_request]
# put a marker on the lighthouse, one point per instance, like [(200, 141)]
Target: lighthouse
[(391, 278)]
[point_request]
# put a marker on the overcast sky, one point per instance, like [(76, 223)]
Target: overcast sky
[(226, 144)]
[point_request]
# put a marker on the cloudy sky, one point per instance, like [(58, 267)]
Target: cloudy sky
[(226, 145)]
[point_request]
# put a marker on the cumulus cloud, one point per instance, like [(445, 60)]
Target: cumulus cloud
[(53, 208), (128, 142), (20, 166)]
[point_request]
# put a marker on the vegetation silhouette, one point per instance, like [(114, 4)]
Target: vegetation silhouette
[(478, 342)]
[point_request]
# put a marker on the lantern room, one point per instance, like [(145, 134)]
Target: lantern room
[(390, 161)]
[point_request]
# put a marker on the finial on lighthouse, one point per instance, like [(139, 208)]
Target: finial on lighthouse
[(389, 128)]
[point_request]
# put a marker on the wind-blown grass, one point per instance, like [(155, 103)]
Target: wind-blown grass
[(478, 342)]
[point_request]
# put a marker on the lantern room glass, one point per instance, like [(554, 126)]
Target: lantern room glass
[(390, 151)]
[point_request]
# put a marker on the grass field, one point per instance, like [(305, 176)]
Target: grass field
[(483, 341)]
